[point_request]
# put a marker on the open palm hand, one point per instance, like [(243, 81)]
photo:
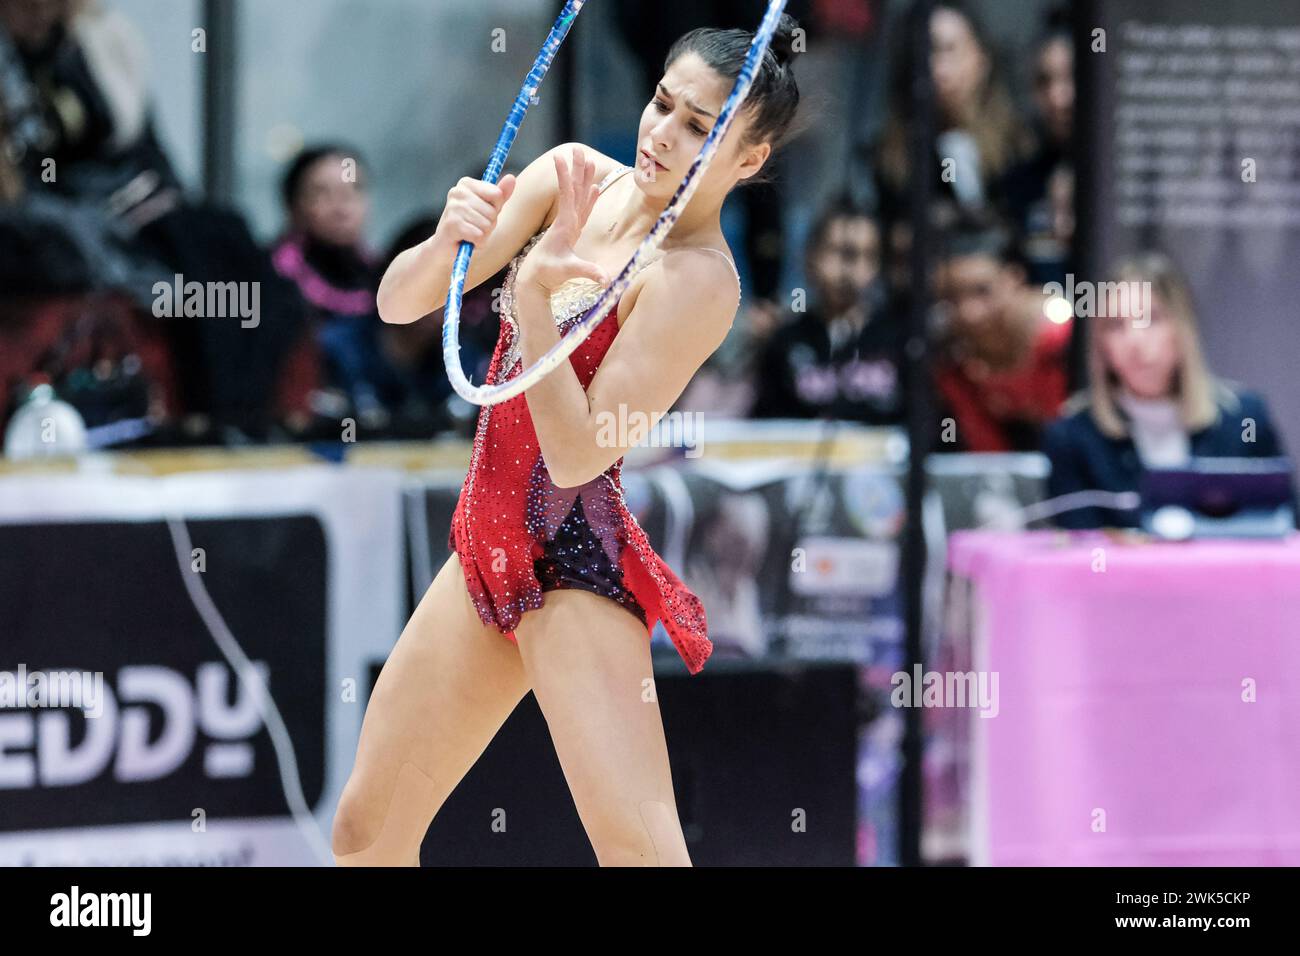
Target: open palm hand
[(552, 261)]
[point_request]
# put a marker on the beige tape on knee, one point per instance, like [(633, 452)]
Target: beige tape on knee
[(405, 822)]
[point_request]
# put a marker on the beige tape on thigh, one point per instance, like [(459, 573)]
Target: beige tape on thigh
[(405, 822)]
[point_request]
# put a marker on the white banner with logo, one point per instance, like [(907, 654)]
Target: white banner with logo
[(129, 608)]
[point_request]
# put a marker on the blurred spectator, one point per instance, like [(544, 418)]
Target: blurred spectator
[(396, 372), (80, 168), (74, 82), (980, 134), (98, 207), (399, 369), (82, 155), (728, 383), (1000, 365), (1152, 401), (1038, 193), (325, 194), (841, 356)]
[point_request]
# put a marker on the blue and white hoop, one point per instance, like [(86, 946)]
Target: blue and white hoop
[(493, 394)]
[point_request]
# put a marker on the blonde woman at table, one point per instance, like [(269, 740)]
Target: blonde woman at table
[(1151, 402)]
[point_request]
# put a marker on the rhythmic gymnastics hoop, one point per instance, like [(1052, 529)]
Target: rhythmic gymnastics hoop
[(494, 394)]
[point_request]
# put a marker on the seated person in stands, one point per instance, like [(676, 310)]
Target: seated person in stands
[(82, 167), (1000, 365), (840, 355), (90, 201), (395, 373), (1151, 401), (77, 103), (322, 251)]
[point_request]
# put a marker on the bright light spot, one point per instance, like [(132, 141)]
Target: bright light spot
[(1058, 309)]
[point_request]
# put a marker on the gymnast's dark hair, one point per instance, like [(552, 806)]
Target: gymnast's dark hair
[(773, 100), (291, 182)]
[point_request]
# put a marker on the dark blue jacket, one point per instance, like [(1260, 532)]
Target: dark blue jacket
[(1084, 459)]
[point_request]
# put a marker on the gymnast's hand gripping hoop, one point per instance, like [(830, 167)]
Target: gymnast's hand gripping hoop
[(493, 394)]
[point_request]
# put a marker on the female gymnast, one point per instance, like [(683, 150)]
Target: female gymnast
[(542, 509)]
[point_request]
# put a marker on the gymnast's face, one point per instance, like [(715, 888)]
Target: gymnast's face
[(679, 117)]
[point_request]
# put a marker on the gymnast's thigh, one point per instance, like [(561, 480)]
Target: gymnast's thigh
[(447, 687), (590, 668)]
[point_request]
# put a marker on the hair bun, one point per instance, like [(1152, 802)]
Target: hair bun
[(782, 45)]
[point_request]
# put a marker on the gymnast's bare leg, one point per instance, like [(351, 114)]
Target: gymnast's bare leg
[(444, 692), (588, 662)]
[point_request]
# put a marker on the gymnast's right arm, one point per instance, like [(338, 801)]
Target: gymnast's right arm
[(497, 219)]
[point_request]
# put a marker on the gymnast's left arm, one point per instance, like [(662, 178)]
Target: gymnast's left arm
[(682, 314)]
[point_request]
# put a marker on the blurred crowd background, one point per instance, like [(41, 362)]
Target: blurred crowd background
[(112, 92), (144, 142)]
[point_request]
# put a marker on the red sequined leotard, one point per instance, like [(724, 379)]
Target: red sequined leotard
[(518, 534)]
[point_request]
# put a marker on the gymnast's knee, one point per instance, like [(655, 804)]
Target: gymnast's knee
[(365, 814), (354, 827)]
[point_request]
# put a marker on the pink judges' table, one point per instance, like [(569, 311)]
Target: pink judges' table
[(1149, 700)]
